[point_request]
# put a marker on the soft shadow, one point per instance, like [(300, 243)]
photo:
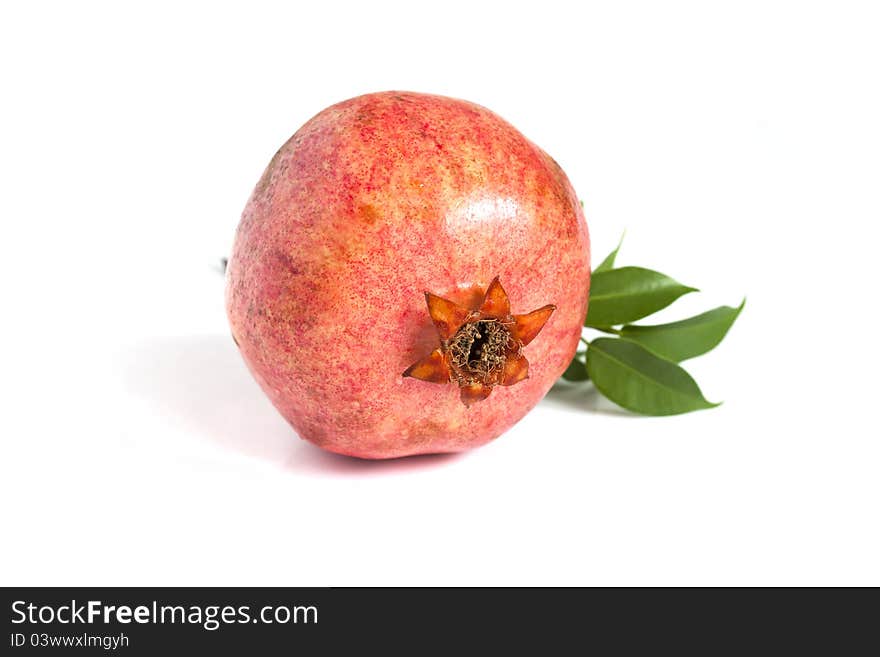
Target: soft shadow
[(317, 459), (203, 382), (582, 397)]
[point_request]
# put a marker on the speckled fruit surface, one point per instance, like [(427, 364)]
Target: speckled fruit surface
[(372, 203)]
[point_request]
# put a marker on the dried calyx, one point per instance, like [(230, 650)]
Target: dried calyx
[(479, 348), (478, 351)]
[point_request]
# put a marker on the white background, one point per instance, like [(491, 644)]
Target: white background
[(737, 143)]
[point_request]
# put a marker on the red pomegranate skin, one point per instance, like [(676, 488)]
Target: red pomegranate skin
[(372, 203)]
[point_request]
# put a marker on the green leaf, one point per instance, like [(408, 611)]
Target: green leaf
[(688, 338), (608, 262), (634, 378), (577, 369), (620, 296)]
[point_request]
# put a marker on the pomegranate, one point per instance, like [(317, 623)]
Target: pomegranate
[(375, 205)]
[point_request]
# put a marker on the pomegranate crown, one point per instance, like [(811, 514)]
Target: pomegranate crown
[(479, 349)]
